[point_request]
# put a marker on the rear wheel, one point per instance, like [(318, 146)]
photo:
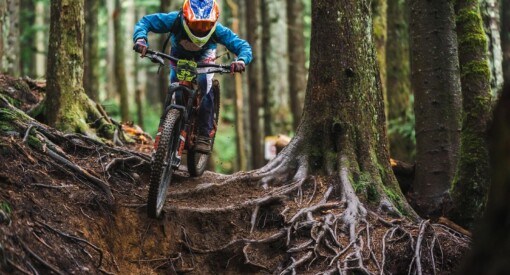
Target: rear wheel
[(197, 162), (161, 167)]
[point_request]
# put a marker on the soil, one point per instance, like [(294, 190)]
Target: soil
[(53, 220)]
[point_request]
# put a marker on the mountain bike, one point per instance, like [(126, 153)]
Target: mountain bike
[(178, 128)]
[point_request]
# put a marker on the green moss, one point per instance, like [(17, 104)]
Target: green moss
[(476, 68), (473, 41), (469, 17), (5, 207), (396, 199)]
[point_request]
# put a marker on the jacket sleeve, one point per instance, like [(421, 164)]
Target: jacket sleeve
[(158, 23), (238, 46)]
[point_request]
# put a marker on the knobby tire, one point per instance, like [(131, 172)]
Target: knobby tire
[(161, 168)]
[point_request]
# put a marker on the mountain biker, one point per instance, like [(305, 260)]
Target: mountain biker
[(194, 33)]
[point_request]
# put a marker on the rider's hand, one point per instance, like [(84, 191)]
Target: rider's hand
[(140, 46), (237, 66)]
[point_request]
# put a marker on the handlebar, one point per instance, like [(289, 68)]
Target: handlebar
[(157, 57)]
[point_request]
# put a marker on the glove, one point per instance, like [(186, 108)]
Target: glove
[(140, 47), (237, 66)]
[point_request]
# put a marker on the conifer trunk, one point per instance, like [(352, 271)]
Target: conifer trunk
[(437, 104), (120, 72), (472, 181), (297, 58), (91, 50)]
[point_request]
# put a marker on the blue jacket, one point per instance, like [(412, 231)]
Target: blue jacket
[(172, 22)]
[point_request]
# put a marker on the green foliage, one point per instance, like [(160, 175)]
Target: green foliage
[(5, 207), (404, 126)]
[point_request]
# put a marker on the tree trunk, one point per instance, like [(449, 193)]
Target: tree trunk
[(297, 58), (339, 142), (490, 10), (266, 59), (91, 50), (505, 38), (3, 34), (380, 32), (26, 26), (492, 242), (68, 107), (398, 83), (41, 40), (120, 72), (437, 102), (472, 181), (238, 98), (11, 58), (163, 77), (111, 87), (254, 82)]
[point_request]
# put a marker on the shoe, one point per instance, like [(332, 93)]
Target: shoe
[(203, 144)]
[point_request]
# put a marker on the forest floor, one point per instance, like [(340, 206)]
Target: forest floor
[(54, 219)]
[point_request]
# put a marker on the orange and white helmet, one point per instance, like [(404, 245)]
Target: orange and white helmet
[(199, 19)]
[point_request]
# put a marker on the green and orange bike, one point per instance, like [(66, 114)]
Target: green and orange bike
[(178, 128)]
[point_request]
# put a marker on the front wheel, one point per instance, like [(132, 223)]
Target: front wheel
[(161, 167), (197, 162)]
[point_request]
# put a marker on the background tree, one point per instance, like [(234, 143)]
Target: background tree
[(120, 72), (296, 47), (398, 83), (91, 50), (254, 82), (3, 9), (490, 10), (492, 241), (436, 87), (505, 38), (11, 33), (71, 110), (380, 32), (163, 78), (472, 181)]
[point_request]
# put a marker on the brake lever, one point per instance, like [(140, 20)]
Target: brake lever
[(156, 59)]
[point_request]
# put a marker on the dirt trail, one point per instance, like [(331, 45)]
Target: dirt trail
[(56, 220)]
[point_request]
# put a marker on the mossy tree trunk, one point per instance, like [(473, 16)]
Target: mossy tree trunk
[(254, 82), (3, 10), (334, 138), (492, 242), (120, 72), (437, 92), (505, 38), (297, 57), (472, 181), (265, 48), (69, 108), (398, 82), (380, 32), (91, 50)]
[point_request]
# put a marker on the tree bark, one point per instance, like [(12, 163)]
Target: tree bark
[(41, 40), (266, 59), (297, 58), (492, 242), (120, 72), (254, 82), (111, 85), (380, 32), (505, 38), (68, 107), (11, 58), (436, 85), (3, 36), (91, 50), (238, 99), (472, 181), (163, 77), (400, 111), (26, 30), (490, 10)]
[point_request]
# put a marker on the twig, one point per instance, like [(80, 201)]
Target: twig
[(76, 239), (22, 270), (38, 258)]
